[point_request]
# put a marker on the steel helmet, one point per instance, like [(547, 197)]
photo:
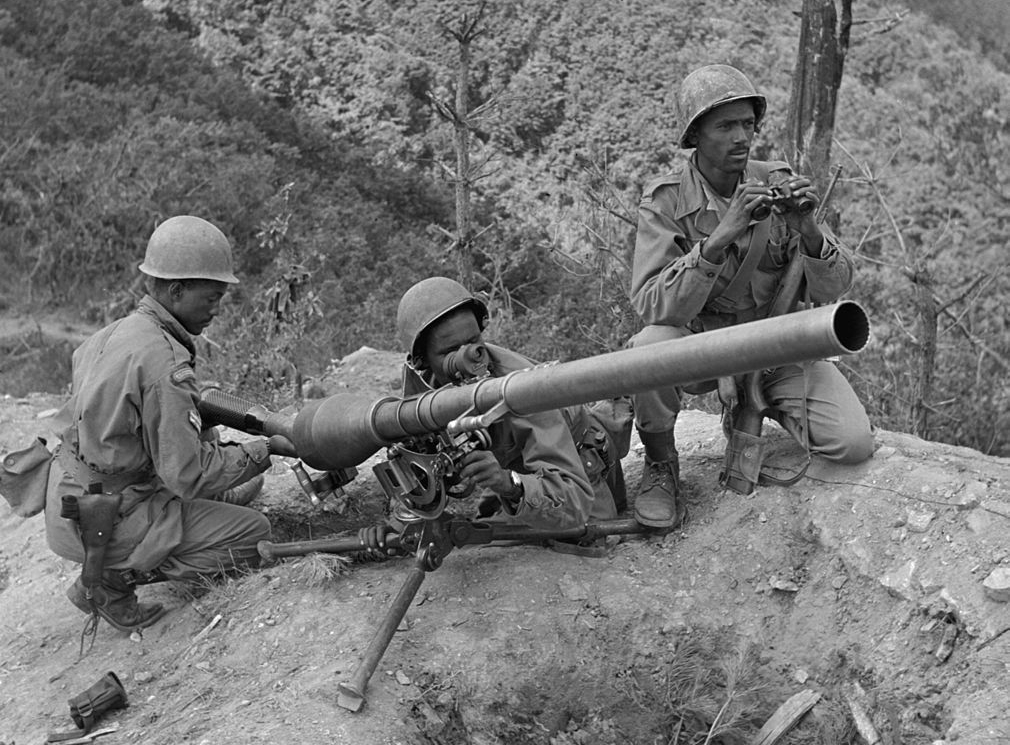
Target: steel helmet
[(187, 247), (426, 302), (709, 87)]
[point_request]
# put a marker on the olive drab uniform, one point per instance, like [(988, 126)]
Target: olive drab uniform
[(676, 291), (542, 450), (132, 424)]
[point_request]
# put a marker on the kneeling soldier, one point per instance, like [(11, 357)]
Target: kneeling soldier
[(149, 494)]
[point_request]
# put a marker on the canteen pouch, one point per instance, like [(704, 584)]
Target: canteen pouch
[(24, 478)]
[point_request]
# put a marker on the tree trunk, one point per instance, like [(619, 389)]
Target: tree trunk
[(820, 60), (461, 139), (927, 311)]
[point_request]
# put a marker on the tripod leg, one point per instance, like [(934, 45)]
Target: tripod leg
[(352, 693), (340, 545)]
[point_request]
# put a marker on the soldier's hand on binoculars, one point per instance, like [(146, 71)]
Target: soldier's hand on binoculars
[(373, 540), (480, 467), (748, 196), (801, 193)]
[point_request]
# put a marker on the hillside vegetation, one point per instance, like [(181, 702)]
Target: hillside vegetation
[(309, 131)]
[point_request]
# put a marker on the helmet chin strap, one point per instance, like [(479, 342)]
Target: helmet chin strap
[(416, 366)]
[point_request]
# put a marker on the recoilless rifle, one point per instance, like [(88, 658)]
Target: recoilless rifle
[(425, 433)]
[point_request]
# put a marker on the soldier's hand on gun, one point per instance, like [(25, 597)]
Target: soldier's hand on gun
[(481, 468), (281, 445), (373, 540)]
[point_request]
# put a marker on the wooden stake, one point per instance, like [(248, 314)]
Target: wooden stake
[(786, 716)]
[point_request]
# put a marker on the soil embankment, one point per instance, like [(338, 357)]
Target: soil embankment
[(854, 575)]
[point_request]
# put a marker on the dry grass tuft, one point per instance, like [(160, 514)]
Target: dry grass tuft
[(317, 569)]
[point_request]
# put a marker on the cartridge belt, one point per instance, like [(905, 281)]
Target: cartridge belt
[(85, 474)]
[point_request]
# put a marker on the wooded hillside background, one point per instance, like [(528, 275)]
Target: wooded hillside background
[(310, 131)]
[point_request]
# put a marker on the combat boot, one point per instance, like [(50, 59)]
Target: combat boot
[(242, 494), (658, 503), (116, 601)]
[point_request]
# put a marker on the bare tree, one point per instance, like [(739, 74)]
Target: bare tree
[(464, 32), (820, 60)]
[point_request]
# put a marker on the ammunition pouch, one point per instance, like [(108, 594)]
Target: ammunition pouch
[(594, 457), (742, 467), (602, 437), (615, 417), (24, 478), (95, 514), (745, 447)]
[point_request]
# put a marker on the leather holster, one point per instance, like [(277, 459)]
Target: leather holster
[(95, 514)]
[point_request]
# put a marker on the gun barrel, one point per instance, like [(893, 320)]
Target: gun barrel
[(346, 429)]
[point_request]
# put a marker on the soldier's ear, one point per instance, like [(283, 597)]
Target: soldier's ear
[(176, 289)]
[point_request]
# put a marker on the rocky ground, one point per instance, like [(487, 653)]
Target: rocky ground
[(875, 589)]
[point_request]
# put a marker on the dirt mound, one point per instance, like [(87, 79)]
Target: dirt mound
[(873, 575), (35, 352)]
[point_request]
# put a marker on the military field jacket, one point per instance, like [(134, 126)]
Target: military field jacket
[(672, 283)]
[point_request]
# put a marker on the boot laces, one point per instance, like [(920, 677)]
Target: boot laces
[(660, 475)]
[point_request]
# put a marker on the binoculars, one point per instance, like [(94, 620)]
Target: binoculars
[(783, 200)]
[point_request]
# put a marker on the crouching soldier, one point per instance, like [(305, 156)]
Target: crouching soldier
[(139, 490)]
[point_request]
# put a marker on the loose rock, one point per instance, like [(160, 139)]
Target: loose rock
[(997, 585)]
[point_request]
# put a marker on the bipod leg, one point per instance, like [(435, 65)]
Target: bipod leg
[(352, 694)]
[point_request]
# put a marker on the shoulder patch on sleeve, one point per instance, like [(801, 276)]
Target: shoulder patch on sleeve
[(182, 373), (194, 419)]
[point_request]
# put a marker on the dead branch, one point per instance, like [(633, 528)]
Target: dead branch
[(467, 30), (786, 716)]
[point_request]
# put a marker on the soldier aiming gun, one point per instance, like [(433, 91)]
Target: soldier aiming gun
[(552, 469)]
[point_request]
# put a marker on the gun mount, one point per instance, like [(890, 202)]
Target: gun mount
[(430, 542)]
